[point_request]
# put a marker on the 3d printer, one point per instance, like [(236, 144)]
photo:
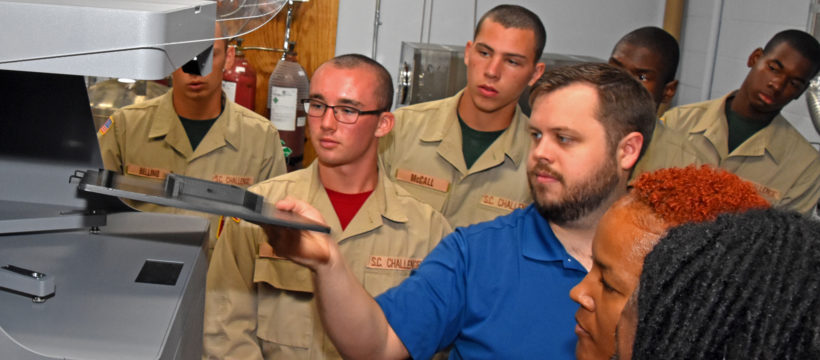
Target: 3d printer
[(82, 276)]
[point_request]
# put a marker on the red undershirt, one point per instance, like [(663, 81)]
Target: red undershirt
[(346, 205)]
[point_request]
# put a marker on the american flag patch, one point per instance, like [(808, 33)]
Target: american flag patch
[(104, 128)]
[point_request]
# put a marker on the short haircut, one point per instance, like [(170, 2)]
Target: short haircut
[(624, 105), (800, 41), (744, 286), (694, 194), (517, 17), (385, 87), (659, 42)]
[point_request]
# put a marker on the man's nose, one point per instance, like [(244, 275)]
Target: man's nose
[(493, 69), (543, 150), (329, 119), (777, 82)]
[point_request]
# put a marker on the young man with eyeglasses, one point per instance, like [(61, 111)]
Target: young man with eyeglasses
[(259, 305), (498, 289), (465, 155)]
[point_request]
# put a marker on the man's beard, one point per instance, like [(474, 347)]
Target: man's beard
[(578, 199)]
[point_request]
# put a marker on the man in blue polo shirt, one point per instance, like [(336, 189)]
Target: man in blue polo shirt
[(499, 289)]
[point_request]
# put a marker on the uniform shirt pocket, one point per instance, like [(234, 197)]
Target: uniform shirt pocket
[(285, 303)]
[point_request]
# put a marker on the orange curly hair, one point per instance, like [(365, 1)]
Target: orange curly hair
[(695, 194)]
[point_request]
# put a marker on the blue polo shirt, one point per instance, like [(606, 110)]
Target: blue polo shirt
[(494, 290)]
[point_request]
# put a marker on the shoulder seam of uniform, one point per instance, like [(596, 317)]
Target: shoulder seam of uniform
[(249, 114)]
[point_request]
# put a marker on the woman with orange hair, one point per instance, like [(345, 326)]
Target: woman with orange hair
[(630, 229)]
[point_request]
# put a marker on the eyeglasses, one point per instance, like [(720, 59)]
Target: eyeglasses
[(343, 113)]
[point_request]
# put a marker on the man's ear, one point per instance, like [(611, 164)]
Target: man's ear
[(669, 91), (754, 56), (385, 124), (467, 52), (629, 148), (539, 70), (230, 57)]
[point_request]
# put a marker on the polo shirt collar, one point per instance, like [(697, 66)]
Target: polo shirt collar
[(539, 241)]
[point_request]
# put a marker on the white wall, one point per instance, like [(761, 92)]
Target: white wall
[(696, 51), (718, 33), (739, 26), (580, 27)]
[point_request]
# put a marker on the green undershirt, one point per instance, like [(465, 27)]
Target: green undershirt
[(474, 142), (196, 129), (741, 128)]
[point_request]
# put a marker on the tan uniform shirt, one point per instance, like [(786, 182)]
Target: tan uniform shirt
[(784, 167), (258, 306), (147, 140), (423, 154), (668, 148)]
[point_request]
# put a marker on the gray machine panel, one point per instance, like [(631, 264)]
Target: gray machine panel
[(99, 311), (94, 309), (46, 225), (138, 39), (91, 248)]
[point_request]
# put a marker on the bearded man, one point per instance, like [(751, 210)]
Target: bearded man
[(498, 289)]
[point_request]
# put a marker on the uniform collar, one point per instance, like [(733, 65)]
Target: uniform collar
[(388, 199), (445, 120), (715, 127), (760, 143), (446, 130), (539, 241), (166, 123), (383, 203)]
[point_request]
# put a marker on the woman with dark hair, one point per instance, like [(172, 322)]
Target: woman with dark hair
[(746, 286), (630, 228)]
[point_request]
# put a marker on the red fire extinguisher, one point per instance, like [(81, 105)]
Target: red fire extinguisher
[(239, 82)]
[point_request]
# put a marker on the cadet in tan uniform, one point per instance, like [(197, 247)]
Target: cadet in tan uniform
[(192, 130), (498, 289), (259, 305), (466, 155), (743, 131), (651, 55)]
